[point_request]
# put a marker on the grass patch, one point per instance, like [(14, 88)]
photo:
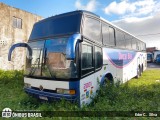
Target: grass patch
[(141, 94)]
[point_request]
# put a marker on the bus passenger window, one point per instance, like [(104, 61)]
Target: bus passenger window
[(87, 61), (87, 58), (108, 35), (111, 36), (92, 29), (134, 44), (120, 40), (98, 57), (128, 39)]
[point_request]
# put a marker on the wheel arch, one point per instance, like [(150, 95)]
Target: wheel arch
[(108, 75)]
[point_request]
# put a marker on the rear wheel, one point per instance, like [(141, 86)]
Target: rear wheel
[(138, 72), (142, 69)]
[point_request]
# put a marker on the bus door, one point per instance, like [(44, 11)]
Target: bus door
[(91, 64)]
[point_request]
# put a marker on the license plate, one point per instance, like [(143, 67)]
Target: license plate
[(43, 98)]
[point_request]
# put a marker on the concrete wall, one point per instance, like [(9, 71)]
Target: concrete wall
[(10, 35)]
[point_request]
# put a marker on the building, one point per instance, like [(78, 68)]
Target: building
[(15, 26), (151, 49)]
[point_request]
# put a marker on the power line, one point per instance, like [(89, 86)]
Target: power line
[(148, 34)]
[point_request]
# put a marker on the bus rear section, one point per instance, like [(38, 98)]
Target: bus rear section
[(124, 64)]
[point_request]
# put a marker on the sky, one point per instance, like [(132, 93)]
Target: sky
[(139, 17)]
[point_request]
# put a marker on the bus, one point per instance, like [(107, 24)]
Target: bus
[(72, 54), (158, 59), (155, 53), (149, 57)]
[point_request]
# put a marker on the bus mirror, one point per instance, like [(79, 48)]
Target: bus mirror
[(19, 45), (80, 40), (70, 50)]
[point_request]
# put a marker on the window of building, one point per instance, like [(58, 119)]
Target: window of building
[(17, 22), (98, 57)]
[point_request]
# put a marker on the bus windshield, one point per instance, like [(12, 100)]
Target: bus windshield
[(55, 26), (49, 60)]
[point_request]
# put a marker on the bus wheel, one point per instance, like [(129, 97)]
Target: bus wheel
[(107, 81), (138, 72), (142, 68)]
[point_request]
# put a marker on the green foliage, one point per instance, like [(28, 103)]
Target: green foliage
[(141, 94)]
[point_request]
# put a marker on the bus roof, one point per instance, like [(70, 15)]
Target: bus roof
[(119, 28), (86, 13), (70, 13)]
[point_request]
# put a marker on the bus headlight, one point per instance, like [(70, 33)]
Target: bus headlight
[(27, 85), (66, 91)]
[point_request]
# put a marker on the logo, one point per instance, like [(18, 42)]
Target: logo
[(7, 113), (87, 94), (87, 85), (119, 58)]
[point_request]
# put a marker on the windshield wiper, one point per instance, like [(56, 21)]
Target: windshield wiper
[(43, 65), (33, 69)]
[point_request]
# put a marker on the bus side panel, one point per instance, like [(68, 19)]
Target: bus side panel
[(123, 64), (109, 68), (88, 87), (75, 85)]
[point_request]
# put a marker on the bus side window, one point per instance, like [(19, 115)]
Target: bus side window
[(92, 29), (98, 57), (108, 35), (87, 58), (120, 40)]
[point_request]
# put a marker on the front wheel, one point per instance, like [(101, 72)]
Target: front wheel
[(138, 72), (107, 82)]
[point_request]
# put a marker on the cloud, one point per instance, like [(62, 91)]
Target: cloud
[(130, 9), (90, 6), (119, 8), (145, 28)]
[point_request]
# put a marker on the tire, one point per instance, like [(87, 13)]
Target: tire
[(107, 82), (142, 69), (138, 72)]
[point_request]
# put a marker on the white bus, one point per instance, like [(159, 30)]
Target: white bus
[(70, 55)]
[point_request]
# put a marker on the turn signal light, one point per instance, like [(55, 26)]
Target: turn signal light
[(66, 91)]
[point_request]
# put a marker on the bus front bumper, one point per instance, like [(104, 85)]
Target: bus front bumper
[(50, 96)]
